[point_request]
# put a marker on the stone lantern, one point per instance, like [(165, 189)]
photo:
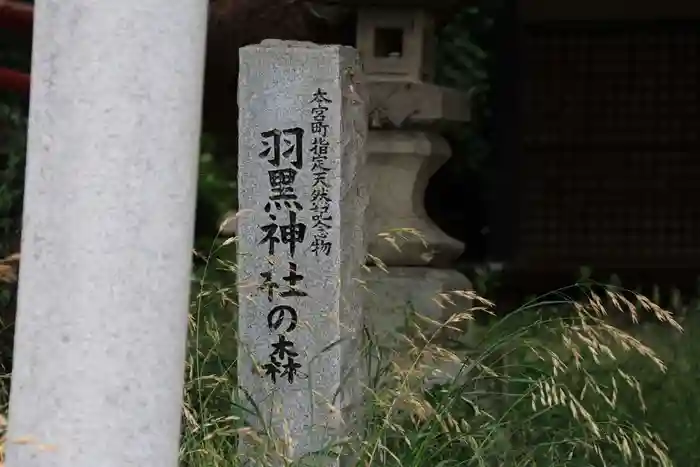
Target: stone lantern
[(396, 40), (397, 44)]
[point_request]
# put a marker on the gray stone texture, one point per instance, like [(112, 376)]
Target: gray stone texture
[(403, 300), (415, 59), (406, 112), (108, 232), (401, 233), (400, 293), (277, 83), (395, 105)]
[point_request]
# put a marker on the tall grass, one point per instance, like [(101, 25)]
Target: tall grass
[(539, 387)]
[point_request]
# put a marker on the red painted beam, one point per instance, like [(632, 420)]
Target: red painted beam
[(16, 15), (20, 17), (12, 80)]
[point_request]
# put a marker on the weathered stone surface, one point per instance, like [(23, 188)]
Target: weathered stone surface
[(402, 292), (407, 105), (401, 233), (401, 299), (111, 182), (403, 4), (320, 154), (397, 43)]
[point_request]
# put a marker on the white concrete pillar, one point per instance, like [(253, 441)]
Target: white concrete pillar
[(108, 230)]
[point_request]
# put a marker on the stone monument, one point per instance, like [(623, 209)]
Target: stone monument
[(302, 130)]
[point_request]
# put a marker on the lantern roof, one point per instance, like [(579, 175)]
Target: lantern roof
[(404, 4)]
